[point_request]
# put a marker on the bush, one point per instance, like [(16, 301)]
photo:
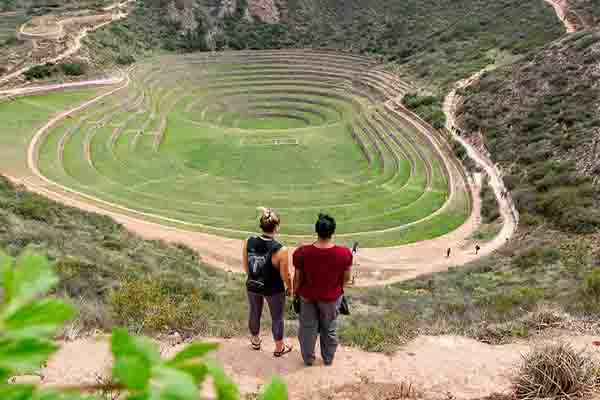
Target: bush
[(125, 59), (555, 371), (142, 306), (73, 69), (536, 256), (40, 71), (592, 285)]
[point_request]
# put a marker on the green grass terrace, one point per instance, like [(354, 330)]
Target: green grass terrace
[(201, 141)]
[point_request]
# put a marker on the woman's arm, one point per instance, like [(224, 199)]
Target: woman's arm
[(283, 265), (245, 256)]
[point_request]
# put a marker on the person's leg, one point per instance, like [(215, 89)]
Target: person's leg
[(328, 313), (308, 330), (255, 302), (276, 307)]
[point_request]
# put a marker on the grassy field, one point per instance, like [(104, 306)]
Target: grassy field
[(201, 143), (21, 118)]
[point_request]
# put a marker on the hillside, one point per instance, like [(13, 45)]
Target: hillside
[(434, 39), (548, 109)]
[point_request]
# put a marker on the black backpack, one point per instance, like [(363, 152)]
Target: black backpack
[(258, 259)]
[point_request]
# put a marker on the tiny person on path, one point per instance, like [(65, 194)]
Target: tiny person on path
[(265, 261), (477, 248), (448, 252), (322, 271)]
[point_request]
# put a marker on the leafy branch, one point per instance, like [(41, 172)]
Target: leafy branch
[(29, 320)]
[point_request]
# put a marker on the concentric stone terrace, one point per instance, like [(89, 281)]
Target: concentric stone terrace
[(201, 141)]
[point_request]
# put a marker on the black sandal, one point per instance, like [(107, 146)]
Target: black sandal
[(286, 349), (255, 345)]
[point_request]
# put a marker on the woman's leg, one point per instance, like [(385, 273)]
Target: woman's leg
[(255, 302), (328, 314), (308, 330), (276, 307)]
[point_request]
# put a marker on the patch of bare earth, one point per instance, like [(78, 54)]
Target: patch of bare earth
[(429, 366), (265, 10)]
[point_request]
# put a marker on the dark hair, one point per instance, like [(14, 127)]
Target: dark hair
[(269, 220), (325, 226)]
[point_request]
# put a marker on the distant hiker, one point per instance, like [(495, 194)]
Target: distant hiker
[(322, 271), (477, 248), (448, 252), (265, 261)]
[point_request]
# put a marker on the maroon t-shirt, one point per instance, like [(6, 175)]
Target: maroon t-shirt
[(322, 271)]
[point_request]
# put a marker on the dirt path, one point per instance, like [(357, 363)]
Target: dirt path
[(563, 13), (508, 211), (437, 365), (73, 47)]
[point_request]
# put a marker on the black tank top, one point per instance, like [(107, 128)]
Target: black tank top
[(273, 282)]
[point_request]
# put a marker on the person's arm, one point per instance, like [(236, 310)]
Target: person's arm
[(245, 256), (298, 265), (348, 271), (297, 279), (283, 265)]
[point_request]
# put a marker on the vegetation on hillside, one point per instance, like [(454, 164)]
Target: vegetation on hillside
[(546, 106), (434, 41), (117, 277)]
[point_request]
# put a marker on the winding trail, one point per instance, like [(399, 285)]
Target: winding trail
[(73, 47)]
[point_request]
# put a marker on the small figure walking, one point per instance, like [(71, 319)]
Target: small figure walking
[(477, 248), (448, 252)]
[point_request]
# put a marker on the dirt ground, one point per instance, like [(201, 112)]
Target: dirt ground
[(434, 366)]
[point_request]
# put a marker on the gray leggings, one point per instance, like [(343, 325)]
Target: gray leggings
[(276, 307), (318, 319)]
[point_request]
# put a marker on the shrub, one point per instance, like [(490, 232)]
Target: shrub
[(592, 285), (142, 306), (555, 371), (383, 334), (40, 71), (125, 59), (73, 69)]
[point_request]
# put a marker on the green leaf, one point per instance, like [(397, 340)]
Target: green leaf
[(42, 318), (197, 371), (134, 358), (277, 390), (171, 384), (31, 277), (225, 388), (193, 351), (16, 392), (49, 395), (24, 355)]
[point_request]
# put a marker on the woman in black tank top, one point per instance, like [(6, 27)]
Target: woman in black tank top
[(265, 261)]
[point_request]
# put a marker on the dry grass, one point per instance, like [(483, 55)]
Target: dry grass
[(556, 371), (368, 391)]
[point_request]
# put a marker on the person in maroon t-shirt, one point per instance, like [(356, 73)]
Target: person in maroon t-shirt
[(322, 271)]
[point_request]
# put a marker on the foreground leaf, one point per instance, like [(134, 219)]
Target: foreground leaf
[(38, 319), (16, 392), (24, 355), (32, 277), (170, 384), (225, 388), (193, 351), (276, 390), (134, 358)]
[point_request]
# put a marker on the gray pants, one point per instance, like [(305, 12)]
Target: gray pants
[(276, 307), (318, 318)]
